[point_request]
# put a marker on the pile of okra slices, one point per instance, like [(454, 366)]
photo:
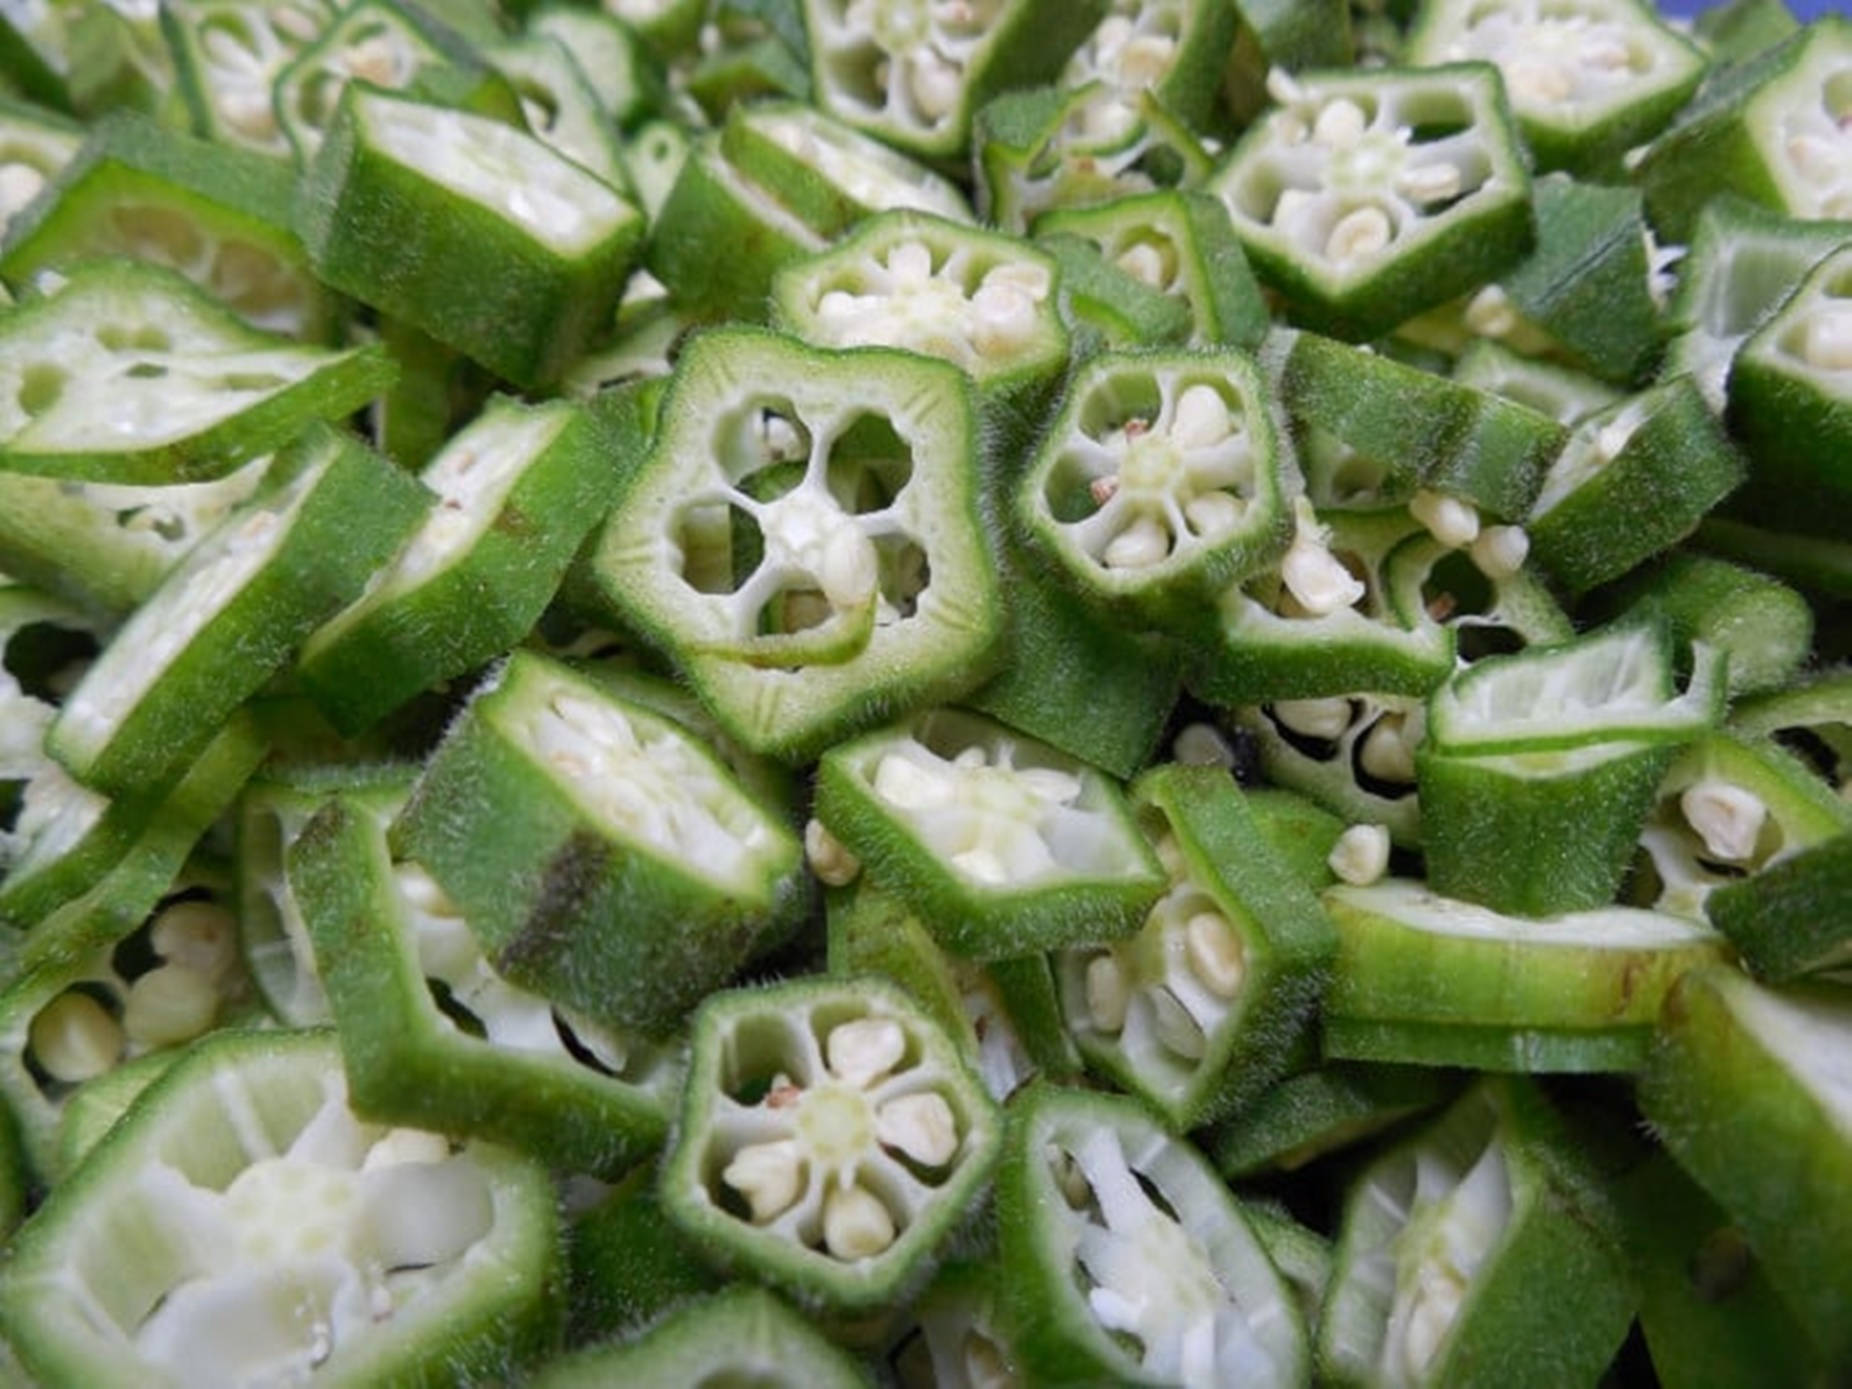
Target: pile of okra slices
[(925, 692)]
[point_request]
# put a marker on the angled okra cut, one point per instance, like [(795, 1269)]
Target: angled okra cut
[(1126, 1260), (229, 55), (1003, 844), (1813, 716), (126, 373), (804, 541), (624, 78), (1369, 197), (601, 854), (231, 615), (520, 253), (279, 1237), (1483, 1249), (831, 1141), (1106, 306), (626, 1262)]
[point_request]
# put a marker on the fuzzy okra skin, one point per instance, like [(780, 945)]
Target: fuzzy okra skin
[(1307, 1116)]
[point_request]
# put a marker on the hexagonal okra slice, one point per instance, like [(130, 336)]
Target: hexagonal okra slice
[(1202, 1009), (1174, 48), (912, 72), (1126, 1258), (278, 1237), (831, 1140), (803, 539), (229, 54), (1367, 198), (1001, 843), (1159, 483), (602, 855), (1483, 1246)]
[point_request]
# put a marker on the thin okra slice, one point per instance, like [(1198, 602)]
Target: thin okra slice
[(746, 58), (831, 1140), (1746, 1087), (741, 1335), (1159, 483), (229, 54), (126, 373), (1126, 1259), (523, 254), (602, 856), (230, 616), (1003, 844), (1484, 1248), (1432, 980), (1588, 79), (1559, 392), (803, 539), (1814, 563), (1740, 29), (1174, 48), (34, 144), (1310, 1115), (1353, 754), (277, 1236), (1369, 197), (432, 1036)]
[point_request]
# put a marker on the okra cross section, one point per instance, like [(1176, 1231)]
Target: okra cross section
[(831, 1139)]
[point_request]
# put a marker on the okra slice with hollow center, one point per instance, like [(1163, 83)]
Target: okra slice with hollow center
[(230, 54), (1368, 198), (1003, 844), (831, 1139), (1127, 1260), (242, 1226)]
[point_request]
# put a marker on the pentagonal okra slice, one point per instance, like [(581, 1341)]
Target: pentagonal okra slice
[(126, 373), (431, 1035), (803, 539), (1002, 844), (1200, 1011), (1310, 1115), (1175, 48), (913, 74), (1367, 198), (1587, 80), (602, 856), (228, 618), (1432, 980), (278, 1236), (34, 145), (1747, 1088), (542, 246), (1482, 1246), (229, 54), (1159, 483), (1107, 307), (831, 1139), (1126, 1259)]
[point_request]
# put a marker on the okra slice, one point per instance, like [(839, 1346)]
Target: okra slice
[(543, 246), (34, 145), (1746, 1088), (912, 75), (559, 105), (1002, 844), (1106, 307), (1353, 754), (1126, 1259), (803, 538), (126, 373), (432, 1035), (1433, 980), (1814, 563), (1789, 919), (1292, 35), (1200, 1011), (1369, 197), (1739, 29), (602, 856), (626, 1263), (1174, 48), (1813, 717), (230, 616), (278, 1236), (623, 76), (741, 1335), (1311, 1115), (830, 1141), (517, 490), (229, 54), (94, 1107), (1559, 392), (1482, 1247), (1587, 80), (957, 1338)]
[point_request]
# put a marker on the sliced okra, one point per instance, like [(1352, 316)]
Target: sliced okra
[(1302, 1256), (602, 856), (1484, 593), (114, 57), (543, 246), (277, 1236), (229, 617), (956, 1337), (1483, 1247), (92, 1109), (45, 646), (1176, 49), (1298, 830), (1433, 980), (626, 1262), (1003, 844), (1788, 919), (126, 373), (438, 390), (1814, 718), (558, 103), (610, 52), (803, 538), (229, 54), (1107, 307), (1127, 1260), (743, 62), (913, 75), (1588, 79), (34, 145), (831, 1140), (1747, 1089), (1311, 1115), (1352, 754), (1369, 197), (1200, 1012), (1561, 393), (653, 159), (32, 51), (1811, 562)]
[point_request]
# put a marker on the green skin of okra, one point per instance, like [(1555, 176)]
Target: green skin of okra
[(1791, 919), (627, 1265), (1300, 832), (1289, 34), (1795, 428), (405, 1063), (95, 1106), (1104, 307), (1307, 1116)]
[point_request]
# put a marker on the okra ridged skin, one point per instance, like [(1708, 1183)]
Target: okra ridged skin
[(626, 1263), (1306, 1116), (1791, 919)]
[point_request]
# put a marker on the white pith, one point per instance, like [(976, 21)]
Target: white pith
[(1809, 1037), (1098, 154), (1595, 442), (1134, 47), (242, 50), (901, 65), (829, 858), (1802, 124), (1412, 906), (29, 159), (1003, 1062), (868, 172)]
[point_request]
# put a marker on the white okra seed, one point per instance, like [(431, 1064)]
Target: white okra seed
[(1146, 60), (1430, 183), (1202, 745), (1144, 263), (1175, 1028), (1449, 520), (1386, 753), (1215, 953), (1537, 81), (1340, 124), (921, 1126), (1139, 546), (863, 1051), (1315, 578), (1489, 313), (1500, 551), (905, 785), (849, 570), (74, 1038), (829, 858), (935, 85), (167, 1005), (855, 1224), (1002, 319), (1212, 513), (1202, 419), (1314, 718), (1107, 995), (1358, 235), (1727, 818), (401, 1146), (200, 935), (1361, 855), (981, 865), (768, 1175)]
